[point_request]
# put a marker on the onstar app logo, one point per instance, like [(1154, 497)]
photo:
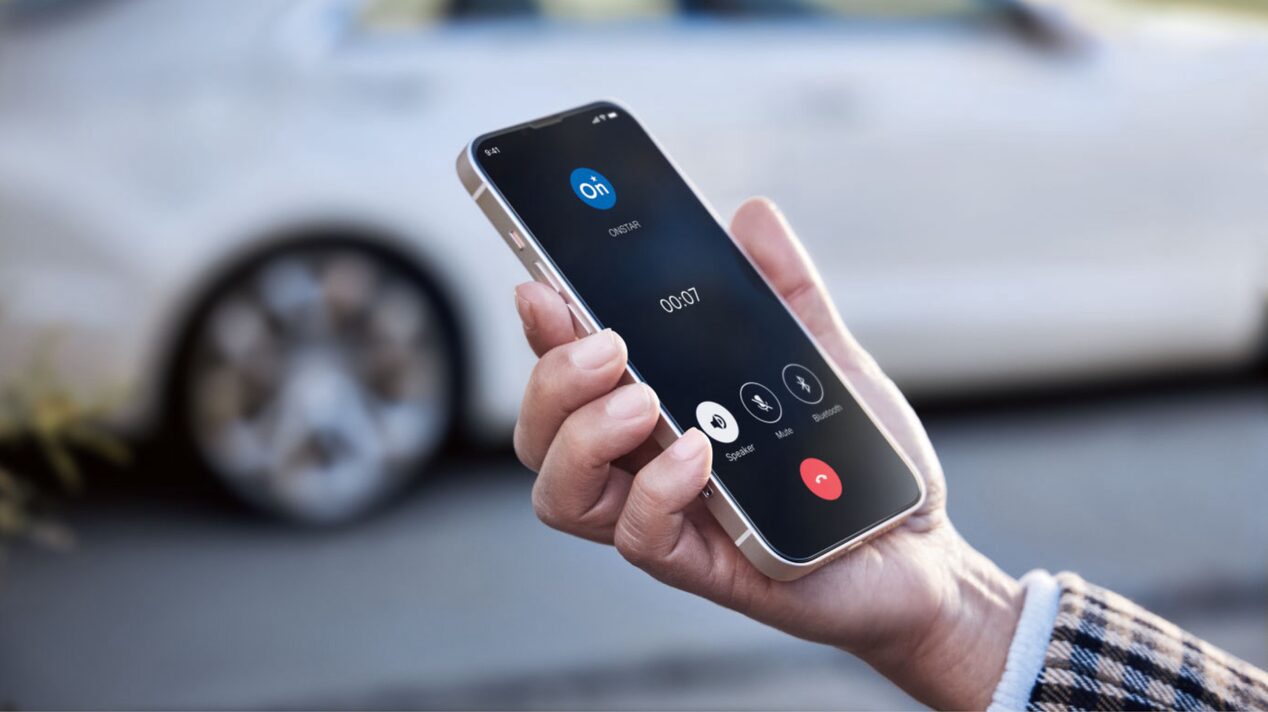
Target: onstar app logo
[(593, 188)]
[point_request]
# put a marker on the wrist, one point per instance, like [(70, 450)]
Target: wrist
[(956, 657)]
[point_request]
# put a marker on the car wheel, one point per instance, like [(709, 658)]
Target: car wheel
[(319, 380)]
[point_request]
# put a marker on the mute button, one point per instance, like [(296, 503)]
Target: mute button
[(515, 239), (550, 278)]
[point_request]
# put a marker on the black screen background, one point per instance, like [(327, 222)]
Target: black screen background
[(738, 332)]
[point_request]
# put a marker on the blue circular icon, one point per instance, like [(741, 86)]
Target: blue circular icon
[(593, 188)]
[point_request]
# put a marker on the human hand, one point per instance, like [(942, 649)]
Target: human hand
[(917, 603)]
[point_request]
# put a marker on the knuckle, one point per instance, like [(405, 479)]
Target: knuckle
[(522, 451), (576, 439), (547, 516), (545, 509), (600, 513), (625, 545), (555, 362), (545, 374), (534, 392), (630, 545)]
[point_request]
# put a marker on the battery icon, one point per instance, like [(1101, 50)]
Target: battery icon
[(611, 114)]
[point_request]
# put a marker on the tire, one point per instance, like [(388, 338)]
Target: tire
[(319, 379)]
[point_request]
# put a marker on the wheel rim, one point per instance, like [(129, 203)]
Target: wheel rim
[(320, 380)]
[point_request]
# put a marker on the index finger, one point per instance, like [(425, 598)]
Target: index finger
[(547, 321)]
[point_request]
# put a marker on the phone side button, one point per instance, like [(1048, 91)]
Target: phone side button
[(578, 324), (513, 236), (550, 278)]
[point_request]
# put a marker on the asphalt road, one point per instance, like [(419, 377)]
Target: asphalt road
[(458, 597)]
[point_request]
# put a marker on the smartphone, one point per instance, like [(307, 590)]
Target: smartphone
[(594, 208)]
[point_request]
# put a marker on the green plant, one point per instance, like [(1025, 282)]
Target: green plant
[(39, 412)]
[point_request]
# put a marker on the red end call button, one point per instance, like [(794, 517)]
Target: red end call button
[(820, 478)]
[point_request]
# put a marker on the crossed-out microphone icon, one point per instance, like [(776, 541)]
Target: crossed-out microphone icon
[(761, 402)]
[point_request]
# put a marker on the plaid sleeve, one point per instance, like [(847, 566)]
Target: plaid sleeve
[(1107, 653)]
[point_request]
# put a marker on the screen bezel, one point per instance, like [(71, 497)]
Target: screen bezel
[(719, 487)]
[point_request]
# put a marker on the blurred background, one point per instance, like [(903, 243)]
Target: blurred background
[(259, 364)]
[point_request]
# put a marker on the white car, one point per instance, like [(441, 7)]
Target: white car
[(247, 212)]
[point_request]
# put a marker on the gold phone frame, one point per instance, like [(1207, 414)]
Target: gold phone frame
[(717, 498)]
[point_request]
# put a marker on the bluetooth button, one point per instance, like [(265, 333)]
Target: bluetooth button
[(802, 383)]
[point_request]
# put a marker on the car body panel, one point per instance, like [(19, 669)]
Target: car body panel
[(986, 215)]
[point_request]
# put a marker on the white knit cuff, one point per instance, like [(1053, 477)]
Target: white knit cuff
[(1030, 642)]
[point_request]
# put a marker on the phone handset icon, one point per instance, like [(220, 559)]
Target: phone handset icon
[(820, 479)]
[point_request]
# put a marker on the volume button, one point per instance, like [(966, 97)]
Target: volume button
[(579, 325), (515, 239), (550, 278)]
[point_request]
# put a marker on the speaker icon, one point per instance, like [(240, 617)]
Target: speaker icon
[(717, 422)]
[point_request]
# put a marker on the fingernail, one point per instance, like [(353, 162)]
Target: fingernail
[(629, 401), (595, 350), (525, 309), (690, 446)]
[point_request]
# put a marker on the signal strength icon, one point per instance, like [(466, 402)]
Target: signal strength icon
[(597, 119)]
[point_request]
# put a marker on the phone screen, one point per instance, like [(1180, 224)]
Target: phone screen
[(791, 446)]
